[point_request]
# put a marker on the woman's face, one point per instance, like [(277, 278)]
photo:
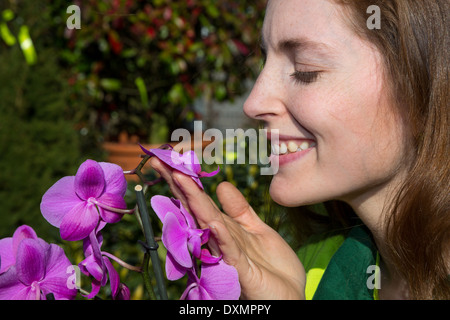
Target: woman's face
[(322, 89)]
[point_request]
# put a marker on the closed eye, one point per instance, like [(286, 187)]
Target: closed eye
[(305, 77)]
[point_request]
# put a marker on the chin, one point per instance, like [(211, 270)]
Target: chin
[(285, 196), (288, 195)]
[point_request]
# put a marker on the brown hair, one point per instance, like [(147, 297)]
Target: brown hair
[(414, 40)]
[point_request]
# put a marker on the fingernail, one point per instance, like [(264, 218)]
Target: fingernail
[(213, 229), (175, 180)]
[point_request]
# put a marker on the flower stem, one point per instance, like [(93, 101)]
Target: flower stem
[(137, 171), (121, 262), (146, 277), (151, 245)]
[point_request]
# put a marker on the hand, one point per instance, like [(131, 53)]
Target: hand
[(267, 266)]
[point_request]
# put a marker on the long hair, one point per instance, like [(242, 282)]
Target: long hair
[(414, 40)]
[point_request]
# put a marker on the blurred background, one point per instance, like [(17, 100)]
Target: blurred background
[(121, 72)]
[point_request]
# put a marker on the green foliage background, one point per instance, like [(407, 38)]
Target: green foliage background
[(134, 66)]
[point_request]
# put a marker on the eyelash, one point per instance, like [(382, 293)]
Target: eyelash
[(300, 77), (303, 77)]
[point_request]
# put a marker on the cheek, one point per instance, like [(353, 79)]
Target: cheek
[(366, 146), (360, 144)]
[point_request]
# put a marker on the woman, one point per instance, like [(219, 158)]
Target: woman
[(370, 109)]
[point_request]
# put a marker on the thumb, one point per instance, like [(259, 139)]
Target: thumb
[(235, 205)]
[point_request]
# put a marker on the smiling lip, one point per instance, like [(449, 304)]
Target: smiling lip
[(289, 148), (289, 157)]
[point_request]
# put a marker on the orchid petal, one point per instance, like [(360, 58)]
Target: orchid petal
[(194, 242), (198, 293), (59, 287), (114, 201), (171, 158), (11, 288), (95, 239), (90, 266), (186, 163), (206, 234), (10, 285), (174, 270), (56, 262), (174, 237), (40, 268), (162, 205), (114, 179), (221, 281), (187, 216), (89, 180), (22, 232), (55, 280), (26, 232), (191, 162), (90, 242), (79, 222), (7, 255), (194, 289), (100, 226), (58, 200), (206, 257), (123, 293), (30, 261), (113, 276), (209, 174), (95, 289)]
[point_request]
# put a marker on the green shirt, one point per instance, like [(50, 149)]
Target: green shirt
[(341, 267)]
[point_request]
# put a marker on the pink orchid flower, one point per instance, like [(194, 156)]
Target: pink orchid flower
[(218, 281), (186, 163), (31, 268), (98, 265), (76, 204), (181, 237)]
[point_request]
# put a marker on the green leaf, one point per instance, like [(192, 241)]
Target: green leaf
[(6, 35), (110, 84), (27, 45), (176, 94), (8, 15), (140, 84), (212, 10)]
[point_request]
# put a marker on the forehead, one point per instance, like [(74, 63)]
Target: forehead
[(318, 20)]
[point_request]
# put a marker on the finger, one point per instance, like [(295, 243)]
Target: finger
[(235, 205), (208, 216), (232, 254), (201, 205), (166, 173)]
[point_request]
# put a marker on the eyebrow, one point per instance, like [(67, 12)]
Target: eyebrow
[(300, 44)]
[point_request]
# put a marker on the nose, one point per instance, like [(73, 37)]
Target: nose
[(264, 100)]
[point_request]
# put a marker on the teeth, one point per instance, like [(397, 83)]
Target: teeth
[(275, 149), (291, 147), (304, 145)]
